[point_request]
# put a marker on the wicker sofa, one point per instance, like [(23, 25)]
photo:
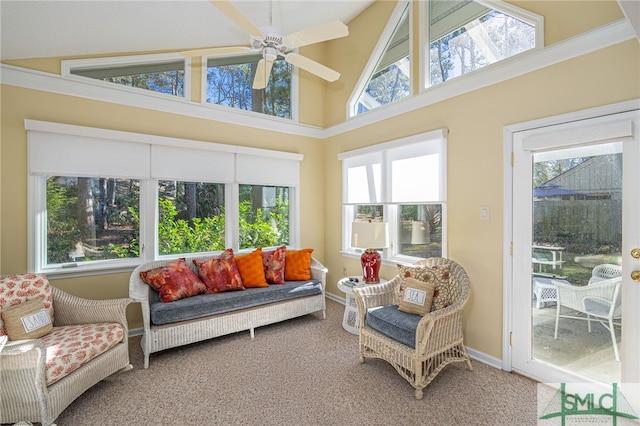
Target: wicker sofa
[(229, 312)]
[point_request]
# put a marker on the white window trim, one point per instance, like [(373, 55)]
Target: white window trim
[(70, 65), (390, 255), (148, 193), (377, 53), (295, 89), (423, 30)]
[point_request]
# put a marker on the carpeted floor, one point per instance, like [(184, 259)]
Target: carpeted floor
[(300, 372)]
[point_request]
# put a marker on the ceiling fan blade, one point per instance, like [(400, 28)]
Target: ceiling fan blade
[(323, 32), (263, 71), (236, 16), (313, 67), (216, 51)]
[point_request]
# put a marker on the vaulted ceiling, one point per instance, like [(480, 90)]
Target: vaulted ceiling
[(64, 28)]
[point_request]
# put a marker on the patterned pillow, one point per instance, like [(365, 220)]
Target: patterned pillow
[(251, 269), (273, 262), (440, 275), (418, 297), (28, 320), (297, 265), (173, 281), (220, 273), (15, 289)]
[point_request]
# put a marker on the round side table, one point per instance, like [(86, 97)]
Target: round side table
[(350, 321)]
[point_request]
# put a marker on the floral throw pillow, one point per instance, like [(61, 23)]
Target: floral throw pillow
[(251, 270), (273, 263), (439, 274), (16, 289), (173, 281), (220, 273)]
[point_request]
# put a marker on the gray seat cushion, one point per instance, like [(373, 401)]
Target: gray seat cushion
[(398, 325), (218, 303)]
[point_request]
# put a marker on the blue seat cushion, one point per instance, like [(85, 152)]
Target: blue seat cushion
[(218, 303), (398, 325)]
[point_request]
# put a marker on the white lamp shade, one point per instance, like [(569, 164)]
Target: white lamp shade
[(370, 235)]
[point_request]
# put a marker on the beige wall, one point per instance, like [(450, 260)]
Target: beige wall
[(475, 152), (475, 121), (20, 104)]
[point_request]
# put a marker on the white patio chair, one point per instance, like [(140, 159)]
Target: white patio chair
[(600, 301), (604, 272)]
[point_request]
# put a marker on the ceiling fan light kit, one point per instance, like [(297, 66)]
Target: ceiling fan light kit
[(270, 42)]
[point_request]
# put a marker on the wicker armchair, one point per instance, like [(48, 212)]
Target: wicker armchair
[(600, 301), (439, 337), (24, 392)]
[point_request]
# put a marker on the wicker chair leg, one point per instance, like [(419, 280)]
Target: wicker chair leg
[(361, 359), (419, 394)]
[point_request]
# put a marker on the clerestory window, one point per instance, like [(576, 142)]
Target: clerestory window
[(464, 35), (229, 83), (387, 76), (157, 73)]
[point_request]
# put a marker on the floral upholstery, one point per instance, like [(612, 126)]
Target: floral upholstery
[(68, 347), (71, 346)]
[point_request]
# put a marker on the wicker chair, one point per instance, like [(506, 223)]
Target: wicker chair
[(439, 337), (600, 300), (24, 393)]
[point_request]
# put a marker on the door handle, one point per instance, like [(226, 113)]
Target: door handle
[(635, 275), (635, 253)]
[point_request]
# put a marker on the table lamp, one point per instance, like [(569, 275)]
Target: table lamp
[(370, 236)]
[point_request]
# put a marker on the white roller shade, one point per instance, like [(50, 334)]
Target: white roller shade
[(194, 165), (78, 155), (574, 134), (63, 149), (254, 169)]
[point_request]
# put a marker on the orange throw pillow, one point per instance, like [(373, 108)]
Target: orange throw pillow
[(297, 265), (251, 269)]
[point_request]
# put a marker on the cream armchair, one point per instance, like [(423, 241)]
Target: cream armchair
[(29, 390), (438, 334)]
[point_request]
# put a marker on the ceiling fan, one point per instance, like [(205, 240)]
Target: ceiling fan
[(271, 44)]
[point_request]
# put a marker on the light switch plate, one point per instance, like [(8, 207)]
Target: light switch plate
[(484, 212)]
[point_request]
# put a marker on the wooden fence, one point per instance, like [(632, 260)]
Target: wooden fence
[(592, 223)]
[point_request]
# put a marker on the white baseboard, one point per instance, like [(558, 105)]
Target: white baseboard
[(474, 354), (484, 358)]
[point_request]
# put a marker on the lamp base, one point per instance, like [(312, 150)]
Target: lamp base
[(370, 266)]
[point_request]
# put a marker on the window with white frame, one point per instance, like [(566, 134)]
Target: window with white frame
[(163, 73), (387, 76), (461, 36), (229, 83), (107, 200), (403, 183)]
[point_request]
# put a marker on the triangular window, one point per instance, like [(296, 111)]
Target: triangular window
[(387, 77), (465, 35)]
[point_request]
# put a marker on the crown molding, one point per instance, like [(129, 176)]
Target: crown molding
[(591, 41)]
